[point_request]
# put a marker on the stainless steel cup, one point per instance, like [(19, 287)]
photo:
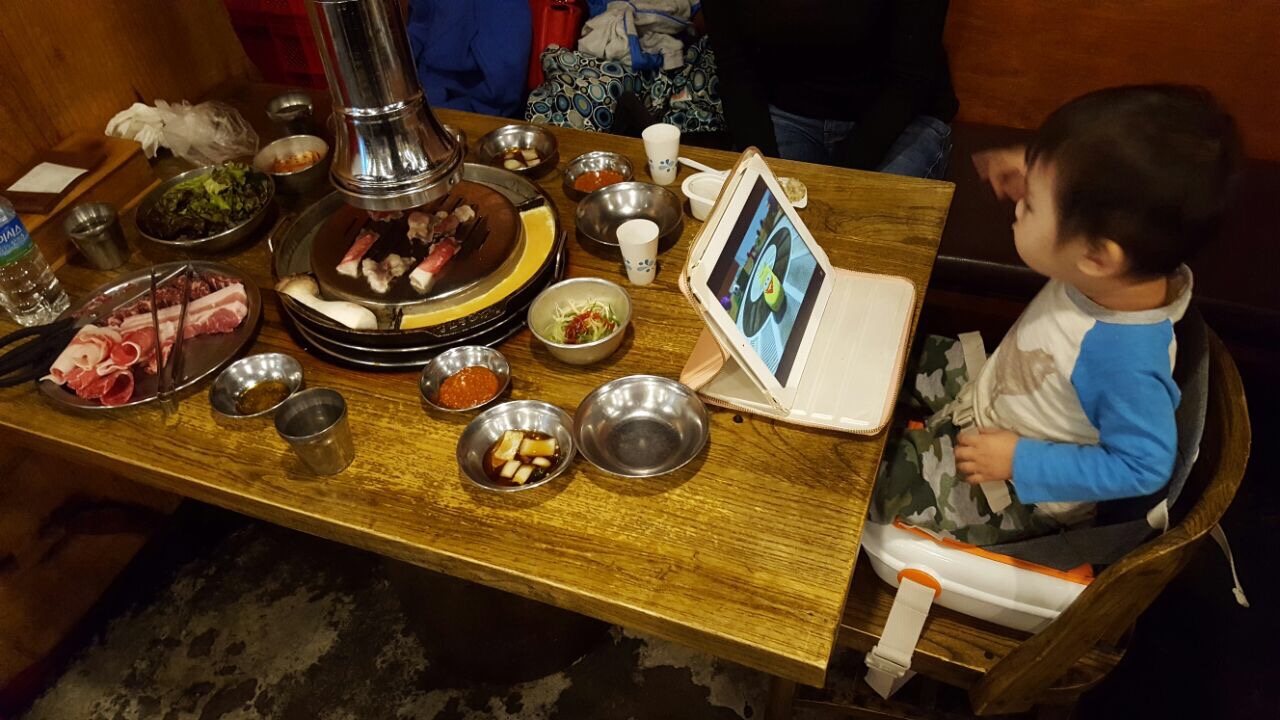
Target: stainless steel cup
[(314, 423), (292, 113), (95, 230)]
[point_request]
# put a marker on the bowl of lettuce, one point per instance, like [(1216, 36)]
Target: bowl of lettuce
[(209, 209)]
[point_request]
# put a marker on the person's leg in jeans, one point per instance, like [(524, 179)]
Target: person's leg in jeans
[(799, 138), (921, 150)]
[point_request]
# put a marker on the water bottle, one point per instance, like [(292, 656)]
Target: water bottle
[(28, 289)]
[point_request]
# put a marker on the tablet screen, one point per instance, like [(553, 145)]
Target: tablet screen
[(768, 281)]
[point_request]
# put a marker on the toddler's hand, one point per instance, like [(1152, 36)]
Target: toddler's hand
[(986, 455), (1005, 169)]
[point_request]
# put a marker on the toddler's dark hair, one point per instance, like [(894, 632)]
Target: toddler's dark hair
[(1151, 167)]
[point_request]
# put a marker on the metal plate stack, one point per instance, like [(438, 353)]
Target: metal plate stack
[(481, 299)]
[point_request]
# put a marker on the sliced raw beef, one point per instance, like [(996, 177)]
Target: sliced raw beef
[(90, 346), (99, 362)]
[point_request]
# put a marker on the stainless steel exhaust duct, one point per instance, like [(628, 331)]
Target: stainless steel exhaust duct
[(389, 151)]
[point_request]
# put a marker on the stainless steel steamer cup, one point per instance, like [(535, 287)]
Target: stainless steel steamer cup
[(389, 150), (314, 423)]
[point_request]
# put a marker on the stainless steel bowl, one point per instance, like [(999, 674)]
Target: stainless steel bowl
[(251, 371), (291, 112), (641, 426), (580, 291), (298, 182), (594, 162), (484, 431), (489, 148), (449, 362), (600, 213), (217, 242)]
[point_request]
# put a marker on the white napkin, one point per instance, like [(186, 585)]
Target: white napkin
[(47, 177), (140, 122)]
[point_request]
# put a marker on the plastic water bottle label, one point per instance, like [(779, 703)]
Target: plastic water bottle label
[(14, 241)]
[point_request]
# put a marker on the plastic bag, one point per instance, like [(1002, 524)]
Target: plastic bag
[(205, 134)]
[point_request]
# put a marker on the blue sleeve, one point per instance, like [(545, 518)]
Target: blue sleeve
[(1125, 385)]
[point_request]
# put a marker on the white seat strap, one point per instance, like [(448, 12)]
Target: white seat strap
[(889, 662), (1220, 537), (975, 357), (975, 353)]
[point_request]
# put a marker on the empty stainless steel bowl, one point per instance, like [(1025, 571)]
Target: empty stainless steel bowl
[(579, 291), (242, 375), (298, 182), (444, 365), (641, 426), (594, 162), (488, 427), (489, 149), (600, 213)]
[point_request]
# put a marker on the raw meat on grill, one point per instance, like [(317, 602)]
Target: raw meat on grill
[(380, 274), (350, 265)]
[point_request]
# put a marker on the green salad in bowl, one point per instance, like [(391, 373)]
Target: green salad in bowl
[(212, 201)]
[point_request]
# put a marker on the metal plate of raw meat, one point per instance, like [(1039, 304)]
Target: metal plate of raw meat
[(204, 354)]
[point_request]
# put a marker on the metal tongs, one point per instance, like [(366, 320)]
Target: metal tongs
[(169, 372), (25, 355)]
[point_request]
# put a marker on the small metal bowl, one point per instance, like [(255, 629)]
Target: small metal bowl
[(580, 290), (298, 182), (600, 213), (489, 149), (217, 242), (248, 372), (594, 162), (449, 362), (488, 427), (291, 112), (641, 426)]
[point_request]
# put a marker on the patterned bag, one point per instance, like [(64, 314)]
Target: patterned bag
[(581, 91)]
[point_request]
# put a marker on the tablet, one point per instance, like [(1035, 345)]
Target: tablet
[(764, 281)]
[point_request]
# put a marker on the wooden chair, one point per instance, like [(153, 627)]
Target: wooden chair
[(1006, 671)]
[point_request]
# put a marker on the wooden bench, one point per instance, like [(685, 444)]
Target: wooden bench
[(1013, 63)]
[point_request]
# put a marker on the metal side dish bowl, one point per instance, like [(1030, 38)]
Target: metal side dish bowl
[(641, 426), (450, 362), (276, 375), (522, 415)]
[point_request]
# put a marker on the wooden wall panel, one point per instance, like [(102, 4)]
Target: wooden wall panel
[(1014, 61), (69, 65)]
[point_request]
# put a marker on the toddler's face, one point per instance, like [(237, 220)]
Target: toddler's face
[(1035, 229)]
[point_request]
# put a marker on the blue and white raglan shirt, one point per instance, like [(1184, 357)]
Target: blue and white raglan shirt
[(1091, 393)]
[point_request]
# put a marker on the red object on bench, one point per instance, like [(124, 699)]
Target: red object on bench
[(555, 22), (277, 37)]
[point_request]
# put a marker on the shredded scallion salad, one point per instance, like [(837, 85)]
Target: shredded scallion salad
[(579, 323)]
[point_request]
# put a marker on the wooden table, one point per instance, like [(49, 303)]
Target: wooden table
[(746, 553)]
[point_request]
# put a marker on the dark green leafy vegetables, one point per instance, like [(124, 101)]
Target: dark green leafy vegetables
[(208, 204)]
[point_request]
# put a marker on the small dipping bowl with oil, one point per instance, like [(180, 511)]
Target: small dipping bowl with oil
[(256, 385)]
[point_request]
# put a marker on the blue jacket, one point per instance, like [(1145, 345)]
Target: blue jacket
[(472, 54)]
